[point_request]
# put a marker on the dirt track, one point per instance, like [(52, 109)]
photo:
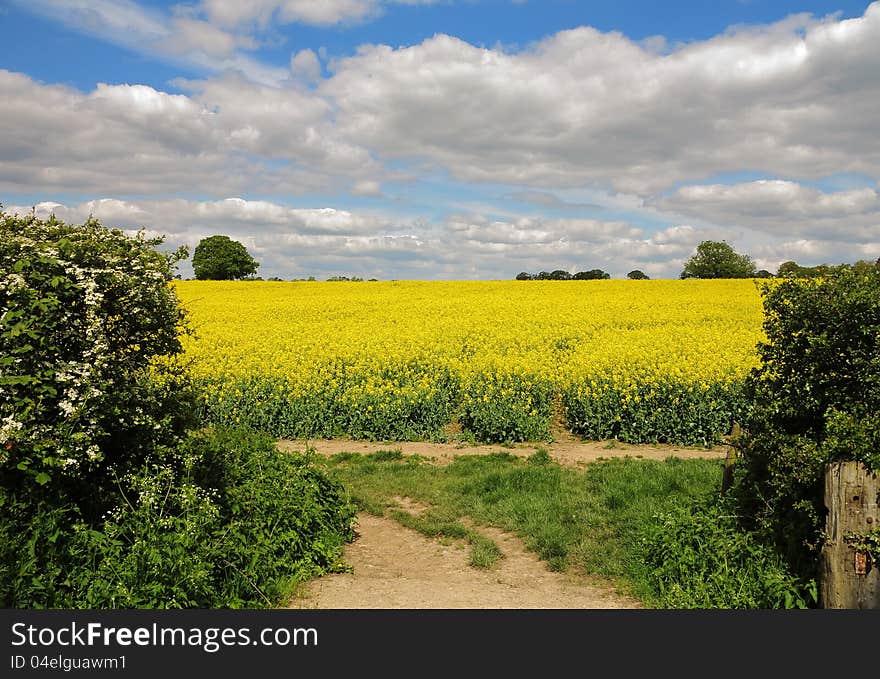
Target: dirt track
[(567, 452), (394, 567), (397, 568)]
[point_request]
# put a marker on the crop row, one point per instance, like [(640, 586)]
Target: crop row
[(640, 361)]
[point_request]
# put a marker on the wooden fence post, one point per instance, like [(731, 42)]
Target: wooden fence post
[(849, 578), (730, 459)]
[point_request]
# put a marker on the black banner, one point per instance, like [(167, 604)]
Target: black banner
[(219, 643)]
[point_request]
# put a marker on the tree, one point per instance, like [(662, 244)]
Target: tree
[(591, 275), (637, 275), (864, 266), (795, 270), (763, 273), (789, 269), (524, 276), (219, 258), (560, 275), (715, 259)]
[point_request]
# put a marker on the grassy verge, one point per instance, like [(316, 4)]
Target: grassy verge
[(589, 521)]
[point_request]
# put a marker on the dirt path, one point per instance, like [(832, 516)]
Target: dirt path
[(565, 451), (394, 567)]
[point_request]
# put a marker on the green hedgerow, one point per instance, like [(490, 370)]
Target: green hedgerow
[(108, 498), (84, 312), (814, 398)]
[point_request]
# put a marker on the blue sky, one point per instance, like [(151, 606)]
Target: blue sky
[(440, 139)]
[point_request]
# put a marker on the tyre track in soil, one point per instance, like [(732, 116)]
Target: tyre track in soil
[(395, 567)]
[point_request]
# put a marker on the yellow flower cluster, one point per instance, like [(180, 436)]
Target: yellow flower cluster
[(350, 357)]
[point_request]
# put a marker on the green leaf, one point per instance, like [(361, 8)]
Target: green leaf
[(12, 380)]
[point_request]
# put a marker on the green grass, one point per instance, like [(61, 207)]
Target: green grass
[(586, 521)]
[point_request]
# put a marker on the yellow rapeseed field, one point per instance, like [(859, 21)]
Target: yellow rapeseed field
[(637, 360)]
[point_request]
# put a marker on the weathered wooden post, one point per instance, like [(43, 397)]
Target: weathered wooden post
[(849, 575), (730, 459)]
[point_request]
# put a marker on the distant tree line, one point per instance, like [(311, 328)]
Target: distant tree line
[(312, 279), (714, 259), (221, 258), (794, 270), (562, 275), (352, 279)]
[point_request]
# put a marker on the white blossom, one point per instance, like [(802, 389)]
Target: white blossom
[(10, 426), (15, 281)]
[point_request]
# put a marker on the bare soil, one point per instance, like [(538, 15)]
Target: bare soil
[(569, 452), (394, 567)]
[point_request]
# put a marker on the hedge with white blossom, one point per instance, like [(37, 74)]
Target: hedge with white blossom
[(84, 313)]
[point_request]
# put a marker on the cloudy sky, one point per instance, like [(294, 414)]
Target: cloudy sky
[(441, 139)]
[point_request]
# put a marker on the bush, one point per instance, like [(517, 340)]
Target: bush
[(84, 311), (106, 497), (814, 399), (235, 527), (698, 557), (36, 567)]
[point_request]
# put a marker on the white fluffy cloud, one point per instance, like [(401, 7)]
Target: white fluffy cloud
[(295, 242), (184, 37), (580, 113), (232, 13), (782, 207), (228, 136), (191, 36), (306, 66), (531, 231), (185, 219), (798, 98)]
